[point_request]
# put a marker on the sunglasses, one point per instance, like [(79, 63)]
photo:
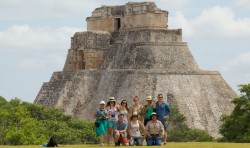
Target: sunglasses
[(135, 100), (124, 102), (160, 97)]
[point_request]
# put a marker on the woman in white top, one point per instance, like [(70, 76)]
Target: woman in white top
[(113, 117), (134, 130), (123, 109)]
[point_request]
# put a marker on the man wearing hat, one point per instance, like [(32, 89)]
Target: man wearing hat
[(155, 130)]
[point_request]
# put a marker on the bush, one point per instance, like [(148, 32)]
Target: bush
[(236, 126), (178, 130), (23, 123)]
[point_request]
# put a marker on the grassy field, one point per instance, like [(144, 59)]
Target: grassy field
[(169, 145)]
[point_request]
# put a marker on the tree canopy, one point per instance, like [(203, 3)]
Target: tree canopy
[(23, 123), (236, 126)]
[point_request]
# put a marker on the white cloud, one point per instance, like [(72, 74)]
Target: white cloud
[(24, 37), (32, 63), (172, 3), (239, 64), (59, 9), (237, 71), (243, 4), (34, 48), (20, 9), (217, 22), (179, 21)]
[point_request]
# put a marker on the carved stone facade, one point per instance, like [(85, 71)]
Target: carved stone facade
[(130, 16), (87, 49), (128, 50)]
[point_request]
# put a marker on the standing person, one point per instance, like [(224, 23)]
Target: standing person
[(113, 117), (101, 116), (120, 131), (136, 107), (123, 109), (155, 130), (134, 130), (148, 109), (163, 110)]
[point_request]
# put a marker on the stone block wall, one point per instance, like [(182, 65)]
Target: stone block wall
[(87, 49), (131, 16)]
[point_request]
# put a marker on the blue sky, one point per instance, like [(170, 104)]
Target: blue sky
[(35, 37)]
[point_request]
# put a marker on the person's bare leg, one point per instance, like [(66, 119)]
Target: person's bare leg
[(117, 136), (101, 140), (109, 135), (165, 137)]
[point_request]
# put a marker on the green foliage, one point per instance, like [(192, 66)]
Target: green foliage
[(23, 123), (236, 126), (178, 131)]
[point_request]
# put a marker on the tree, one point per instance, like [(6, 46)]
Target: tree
[(236, 126), (23, 123), (178, 130)]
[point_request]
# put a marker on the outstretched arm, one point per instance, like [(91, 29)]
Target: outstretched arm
[(142, 127)]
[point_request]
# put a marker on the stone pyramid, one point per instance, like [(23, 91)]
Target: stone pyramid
[(128, 50)]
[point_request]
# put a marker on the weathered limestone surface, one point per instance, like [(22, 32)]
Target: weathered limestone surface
[(130, 16), (135, 57)]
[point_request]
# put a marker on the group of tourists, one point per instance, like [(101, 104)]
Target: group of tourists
[(131, 125)]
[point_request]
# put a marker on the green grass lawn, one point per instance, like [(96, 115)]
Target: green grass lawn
[(169, 145)]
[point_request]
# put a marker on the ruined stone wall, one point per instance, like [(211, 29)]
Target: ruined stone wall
[(107, 24), (132, 16), (144, 21), (171, 57), (51, 91), (87, 49), (147, 35)]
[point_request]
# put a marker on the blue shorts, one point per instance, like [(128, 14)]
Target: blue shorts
[(111, 124), (165, 124)]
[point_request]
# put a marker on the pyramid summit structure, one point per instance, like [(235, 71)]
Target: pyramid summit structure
[(129, 51)]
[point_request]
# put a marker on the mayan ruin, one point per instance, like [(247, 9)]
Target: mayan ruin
[(128, 51)]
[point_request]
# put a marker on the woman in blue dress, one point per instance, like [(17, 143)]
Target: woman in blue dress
[(101, 116)]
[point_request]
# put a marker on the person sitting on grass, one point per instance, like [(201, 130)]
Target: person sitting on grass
[(52, 142), (120, 130), (155, 130)]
